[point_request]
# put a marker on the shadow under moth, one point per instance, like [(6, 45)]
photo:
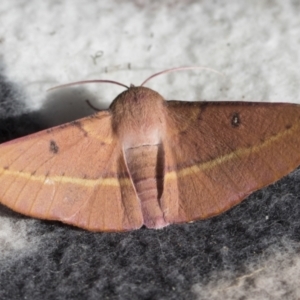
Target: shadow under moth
[(147, 161)]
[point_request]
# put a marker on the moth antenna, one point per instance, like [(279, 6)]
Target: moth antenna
[(88, 81), (181, 69), (91, 105)]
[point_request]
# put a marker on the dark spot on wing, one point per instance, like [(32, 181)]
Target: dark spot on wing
[(203, 107), (6, 167), (288, 126), (53, 147), (235, 120), (79, 126), (76, 123)]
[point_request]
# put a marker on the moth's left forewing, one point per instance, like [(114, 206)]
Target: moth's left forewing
[(217, 153), (74, 173)]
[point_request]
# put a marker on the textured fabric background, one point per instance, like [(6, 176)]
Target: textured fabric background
[(250, 252)]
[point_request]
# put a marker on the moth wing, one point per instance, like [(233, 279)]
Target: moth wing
[(74, 173), (217, 153)]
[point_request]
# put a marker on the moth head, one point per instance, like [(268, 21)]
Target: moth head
[(135, 97), (138, 112)]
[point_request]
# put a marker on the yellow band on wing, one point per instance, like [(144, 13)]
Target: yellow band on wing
[(221, 159), (113, 181), (49, 180)]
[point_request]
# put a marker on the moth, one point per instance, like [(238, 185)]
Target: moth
[(147, 161)]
